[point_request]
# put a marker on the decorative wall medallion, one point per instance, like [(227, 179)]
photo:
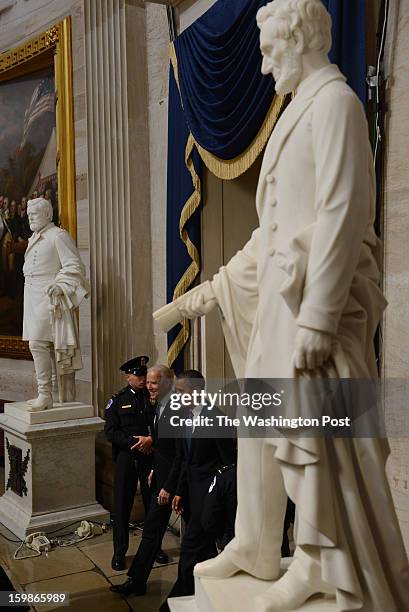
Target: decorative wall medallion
[(18, 469)]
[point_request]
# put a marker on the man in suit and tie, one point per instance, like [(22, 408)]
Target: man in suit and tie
[(164, 478), (202, 457)]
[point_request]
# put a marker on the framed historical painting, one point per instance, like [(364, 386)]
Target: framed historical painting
[(36, 159)]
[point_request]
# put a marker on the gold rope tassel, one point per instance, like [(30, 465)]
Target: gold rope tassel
[(194, 269)]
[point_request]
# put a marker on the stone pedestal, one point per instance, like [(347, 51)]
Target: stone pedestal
[(49, 468), (236, 594)]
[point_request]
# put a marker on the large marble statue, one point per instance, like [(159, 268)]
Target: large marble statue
[(303, 293), (55, 285)]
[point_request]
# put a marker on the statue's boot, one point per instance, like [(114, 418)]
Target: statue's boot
[(42, 402), (41, 352), (218, 567), (256, 549), (292, 590)]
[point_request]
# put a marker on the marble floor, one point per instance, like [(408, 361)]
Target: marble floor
[(84, 571)]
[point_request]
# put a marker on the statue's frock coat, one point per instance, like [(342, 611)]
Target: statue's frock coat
[(314, 262)]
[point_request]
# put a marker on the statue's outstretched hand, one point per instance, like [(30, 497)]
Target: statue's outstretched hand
[(312, 348), (195, 304)]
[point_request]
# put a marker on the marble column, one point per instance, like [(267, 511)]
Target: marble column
[(119, 201), (119, 207)]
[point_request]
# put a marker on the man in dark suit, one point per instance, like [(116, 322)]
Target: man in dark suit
[(166, 469), (202, 457), (129, 428), (220, 506), (219, 511)]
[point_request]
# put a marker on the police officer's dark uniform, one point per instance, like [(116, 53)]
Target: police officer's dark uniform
[(128, 414), (166, 471)]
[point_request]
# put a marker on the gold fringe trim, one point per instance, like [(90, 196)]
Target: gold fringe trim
[(194, 269), (232, 168)]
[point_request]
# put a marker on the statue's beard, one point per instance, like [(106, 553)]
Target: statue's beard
[(290, 74), (37, 226)]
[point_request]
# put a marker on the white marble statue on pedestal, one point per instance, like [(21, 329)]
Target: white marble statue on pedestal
[(55, 285), (303, 294)]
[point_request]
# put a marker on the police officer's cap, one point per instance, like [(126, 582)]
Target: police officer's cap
[(136, 366)]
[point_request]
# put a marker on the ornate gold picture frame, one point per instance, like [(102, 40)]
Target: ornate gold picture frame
[(45, 63)]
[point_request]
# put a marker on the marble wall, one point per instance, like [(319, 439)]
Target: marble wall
[(157, 42), (396, 232)]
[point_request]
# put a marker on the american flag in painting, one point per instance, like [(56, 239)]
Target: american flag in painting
[(42, 101)]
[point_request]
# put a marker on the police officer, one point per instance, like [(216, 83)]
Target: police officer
[(166, 471), (129, 427)]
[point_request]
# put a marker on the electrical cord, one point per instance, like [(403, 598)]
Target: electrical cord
[(76, 522), (36, 553), (57, 541), (60, 528), (9, 540), (137, 526), (378, 77), (376, 82), (71, 542)]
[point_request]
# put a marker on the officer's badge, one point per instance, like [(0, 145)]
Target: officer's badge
[(109, 404), (212, 486)]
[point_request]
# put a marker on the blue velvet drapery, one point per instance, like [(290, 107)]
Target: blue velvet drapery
[(224, 99), (225, 96), (349, 41)]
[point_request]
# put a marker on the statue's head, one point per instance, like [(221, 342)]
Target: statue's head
[(290, 29), (40, 213)]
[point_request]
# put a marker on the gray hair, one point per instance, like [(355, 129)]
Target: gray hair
[(162, 370), (305, 21), (44, 205)]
